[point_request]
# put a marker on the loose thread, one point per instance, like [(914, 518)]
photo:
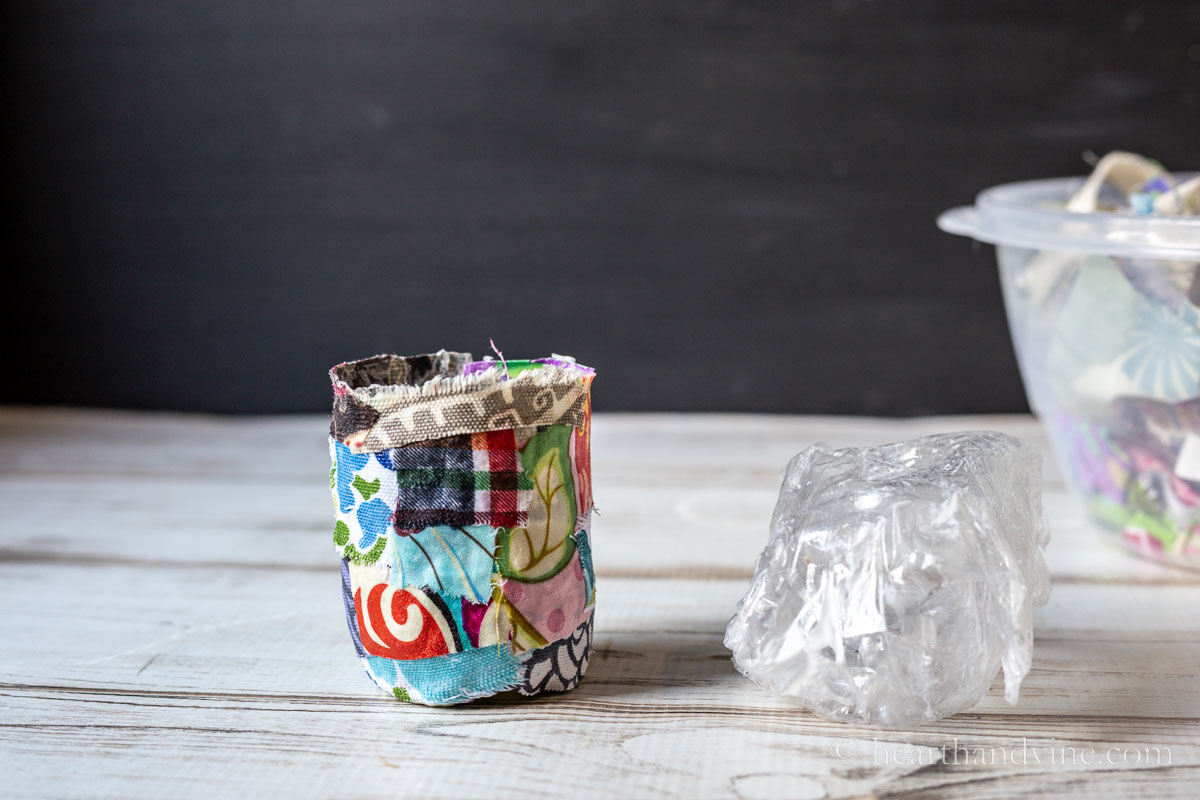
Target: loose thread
[(496, 350)]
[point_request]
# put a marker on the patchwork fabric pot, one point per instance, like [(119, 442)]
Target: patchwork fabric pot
[(463, 495)]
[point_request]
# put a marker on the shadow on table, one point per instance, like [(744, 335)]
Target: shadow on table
[(633, 663), (624, 665)]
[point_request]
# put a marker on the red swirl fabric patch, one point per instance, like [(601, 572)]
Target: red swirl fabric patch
[(405, 623)]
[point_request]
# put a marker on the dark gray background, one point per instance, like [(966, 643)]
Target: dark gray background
[(721, 205)]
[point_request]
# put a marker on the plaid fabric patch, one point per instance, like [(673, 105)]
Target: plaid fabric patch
[(474, 479)]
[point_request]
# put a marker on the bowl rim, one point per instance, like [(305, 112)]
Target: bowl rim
[(1024, 214)]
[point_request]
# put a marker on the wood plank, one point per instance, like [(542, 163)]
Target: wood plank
[(163, 745)]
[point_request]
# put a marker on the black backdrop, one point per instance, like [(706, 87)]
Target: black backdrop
[(722, 205)]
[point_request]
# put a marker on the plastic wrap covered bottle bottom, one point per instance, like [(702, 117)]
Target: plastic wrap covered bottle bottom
[(898, 580)]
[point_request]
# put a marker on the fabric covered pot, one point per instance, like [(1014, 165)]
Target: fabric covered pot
[(463, 495)]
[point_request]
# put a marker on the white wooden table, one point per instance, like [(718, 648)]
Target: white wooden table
[(172, 627)]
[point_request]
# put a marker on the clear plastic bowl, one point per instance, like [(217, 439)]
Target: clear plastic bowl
[(1104, 310)]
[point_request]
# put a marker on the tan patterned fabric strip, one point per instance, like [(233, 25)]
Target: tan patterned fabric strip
[(391, 401)]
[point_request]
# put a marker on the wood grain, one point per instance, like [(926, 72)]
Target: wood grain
[(172, 628)]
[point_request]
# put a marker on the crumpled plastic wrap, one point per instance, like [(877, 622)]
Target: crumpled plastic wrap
[(898, 579)]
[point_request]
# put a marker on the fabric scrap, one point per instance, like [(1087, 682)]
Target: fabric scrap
[(473, 479), (560, 666), (532, 615), (454, 560), (404, 624), (544, 545), (455, 678), (388, 401), (365, 492)]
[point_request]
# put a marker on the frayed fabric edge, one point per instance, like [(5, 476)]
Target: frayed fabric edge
[(390, 401), (448, 385), (583, 633)]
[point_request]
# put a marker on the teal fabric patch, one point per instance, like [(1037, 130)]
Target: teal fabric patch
[(455, 678), (584, 545), (452, 560)]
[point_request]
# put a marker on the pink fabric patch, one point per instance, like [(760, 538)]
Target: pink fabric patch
[(554, 607)]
